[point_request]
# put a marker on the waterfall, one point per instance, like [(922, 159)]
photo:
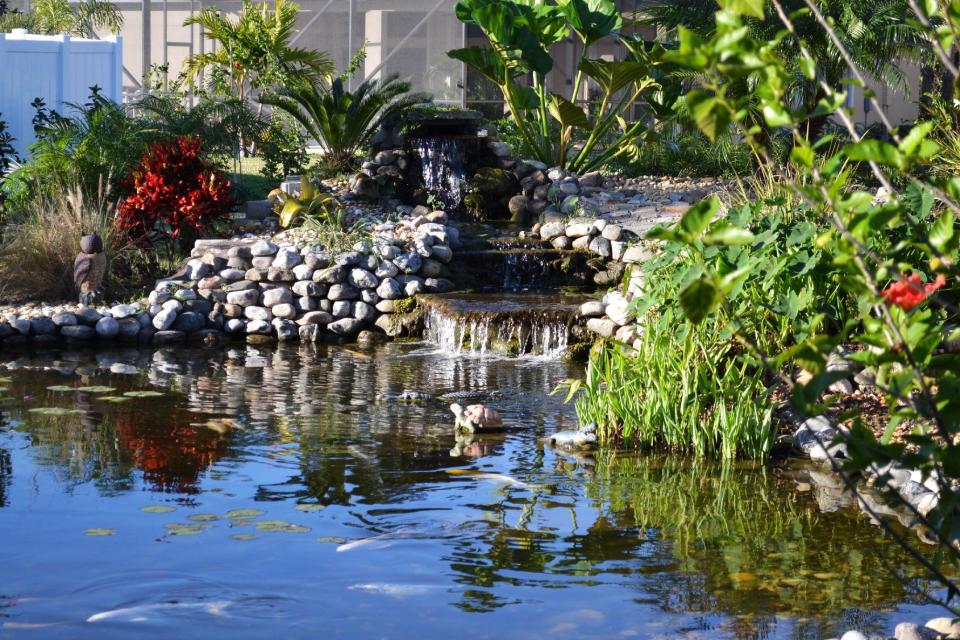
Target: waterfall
[(480, 334), (443, 168)]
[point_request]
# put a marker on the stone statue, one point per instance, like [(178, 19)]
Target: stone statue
[(89, 268)]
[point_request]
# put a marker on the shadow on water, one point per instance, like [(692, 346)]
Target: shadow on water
[(291, 490)]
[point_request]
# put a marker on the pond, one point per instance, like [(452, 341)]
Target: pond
[(245, 491)]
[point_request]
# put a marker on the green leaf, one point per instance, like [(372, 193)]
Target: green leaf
[(567, 113), (699, 298), (877, 151), (729, 235), (942, 231), (752, 8), (699, 216), (710, 114), (592, 20)]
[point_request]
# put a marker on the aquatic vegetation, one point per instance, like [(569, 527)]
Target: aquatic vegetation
[(96, 533), (244, 514), (158, 508)]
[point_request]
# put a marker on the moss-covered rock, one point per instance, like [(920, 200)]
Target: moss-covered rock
[(490, 192)]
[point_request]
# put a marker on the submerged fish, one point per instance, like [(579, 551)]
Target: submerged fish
[(142, 613), (376, 542), (496, 477)]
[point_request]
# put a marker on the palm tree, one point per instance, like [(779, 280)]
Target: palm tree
[(81, 19), (878, 34), (343, 121), (255, 52)]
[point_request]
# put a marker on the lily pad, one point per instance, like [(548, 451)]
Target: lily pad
[(244, 514), (99, 532), (203, 517), (158, 508), (96, 389), (332, 539), (240, 522), (280, 526), (143, 394), (114, 399), (309, 506), (243, 537), (55, 411), (185, 528), (60, 387)]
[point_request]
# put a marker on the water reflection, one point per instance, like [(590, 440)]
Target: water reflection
[(539, 542)]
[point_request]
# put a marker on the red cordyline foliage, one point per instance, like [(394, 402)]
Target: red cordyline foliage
[(907, 293), (176, 192)]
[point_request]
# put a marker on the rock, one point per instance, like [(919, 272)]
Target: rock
[(210, 282), (64, 319), (385, 157), (600, 246), (308, 288), (490, 193), (500, 149), (385, 306), (21, 326), (303, 272), (592, 179), (189, 322), (636, 254), (438, 285), (202, 307), (43, 326), (241, 285), (129, 328), (263, 248), (618, 309), (602, 326), (77, 332), (853, 635), (286, 330), (88, 315), (910, 631), (287, 258), (276, 274), (949, 627), (185, 294), (345, 326), (258, 313), (408, 262), (581, 243), (162, 338), (332, 275), (197, 269), (441, 253), (235, 326), (413, 287), (349, 259), (519, 207), (592, 309), (343, 292), (315, 317), (390, 289), (165, 319), (121, 311), (561, 242), (364, 312), (245, 298), (579, 229), (612, 232), (277, 296), (121, 368), (259, 327), (284, 311), (362, 279), (570, 205)]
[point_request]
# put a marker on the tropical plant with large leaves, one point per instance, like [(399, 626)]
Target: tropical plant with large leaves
[(517, 60), (255, 51), (81, 19), (343, 121)]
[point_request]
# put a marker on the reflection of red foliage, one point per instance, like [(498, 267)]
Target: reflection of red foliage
[(175, 192), (171, 457), (907, 293)]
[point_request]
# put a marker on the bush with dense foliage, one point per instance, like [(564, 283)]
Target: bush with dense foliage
[(877, 273), (176, 194), (283, 148), (51, 17)]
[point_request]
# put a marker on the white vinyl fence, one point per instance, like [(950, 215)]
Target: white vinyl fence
[(59, 69)]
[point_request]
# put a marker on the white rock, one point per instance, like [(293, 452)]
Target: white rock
[(121, 311), (164, 320), (263, 248)]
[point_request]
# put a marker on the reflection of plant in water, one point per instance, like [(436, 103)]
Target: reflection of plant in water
[(6, 473), (748, 542)]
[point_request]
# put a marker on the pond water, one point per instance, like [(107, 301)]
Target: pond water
[(261, 490)]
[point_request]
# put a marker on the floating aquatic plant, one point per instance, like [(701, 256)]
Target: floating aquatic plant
[(244, 513), (309, 506), (60, 387), (280, 526), (143, 394), (203, 517), (55, 411), (158, 508), (99, 532), (113, 399), (185, 528), (96, 389)]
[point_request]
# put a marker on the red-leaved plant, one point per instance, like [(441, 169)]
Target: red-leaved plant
[(176, 193)]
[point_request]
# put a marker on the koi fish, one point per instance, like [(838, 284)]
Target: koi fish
[(496, 477), (142, 612)]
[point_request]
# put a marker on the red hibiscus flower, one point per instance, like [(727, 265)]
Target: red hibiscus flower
[(907, 293)]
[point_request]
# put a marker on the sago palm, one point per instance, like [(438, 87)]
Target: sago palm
[(255, 50), (343, 121)]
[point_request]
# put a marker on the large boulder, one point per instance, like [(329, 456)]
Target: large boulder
[(490, 192)]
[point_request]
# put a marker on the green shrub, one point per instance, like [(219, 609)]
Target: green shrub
[(283, 149)]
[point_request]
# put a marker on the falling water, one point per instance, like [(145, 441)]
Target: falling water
[(536, 334), (443, 166)]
